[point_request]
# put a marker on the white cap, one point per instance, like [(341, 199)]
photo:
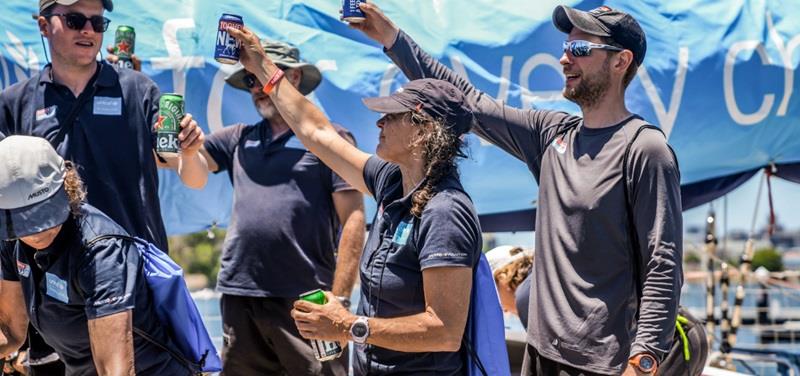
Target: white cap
[(503, 255), (43, 4), (32, 198)]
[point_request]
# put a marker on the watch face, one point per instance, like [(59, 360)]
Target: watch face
[(359, 329), (646, 363)]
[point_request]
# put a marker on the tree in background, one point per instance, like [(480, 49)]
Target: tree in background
[(198, 253), (769, 258)]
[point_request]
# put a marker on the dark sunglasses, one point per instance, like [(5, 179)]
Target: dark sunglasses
[(582, 48), (76, 21), (251, 81)]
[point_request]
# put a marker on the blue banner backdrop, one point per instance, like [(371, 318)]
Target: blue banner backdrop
[(719, 76)]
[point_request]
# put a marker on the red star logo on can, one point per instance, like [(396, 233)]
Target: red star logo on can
[(124, 47)]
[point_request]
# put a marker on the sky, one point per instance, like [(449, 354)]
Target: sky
[(741, 205)]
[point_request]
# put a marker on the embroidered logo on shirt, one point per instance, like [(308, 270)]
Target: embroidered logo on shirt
[(560, 145), (294, 143), (57, 288), (402, 233), (23, 269), (251, 143), (107, 106), (46, 113)]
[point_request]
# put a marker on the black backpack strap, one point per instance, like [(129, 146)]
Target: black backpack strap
[(69, 121), (628, 189)]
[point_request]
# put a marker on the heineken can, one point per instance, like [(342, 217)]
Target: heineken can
[(323, 350), (170, 114), (227, 48), (351, 12), (124, 42)]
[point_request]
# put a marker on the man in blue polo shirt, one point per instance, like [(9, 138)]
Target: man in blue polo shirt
[(109, 134), (110, 138), (288, 207)]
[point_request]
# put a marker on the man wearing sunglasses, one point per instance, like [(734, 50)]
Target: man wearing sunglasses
[(591, 312), (287, 211), (102, 119)]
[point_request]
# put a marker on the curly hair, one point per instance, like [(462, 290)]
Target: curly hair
[(515, 272), (73, 185), (440, 150)]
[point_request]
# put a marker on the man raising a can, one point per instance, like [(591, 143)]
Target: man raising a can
[(288, 208), (101, 118), (611, 245)]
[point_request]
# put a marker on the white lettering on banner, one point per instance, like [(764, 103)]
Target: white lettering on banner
[(178, 63), (26, 63), (214, 108), (727, 83), (666, 118), (387, 80), (528, 96), (786, 52)]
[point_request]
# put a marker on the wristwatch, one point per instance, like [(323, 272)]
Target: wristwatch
[(645, 363), (359, 331)]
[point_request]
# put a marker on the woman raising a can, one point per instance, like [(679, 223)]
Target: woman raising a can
[(417, 266)]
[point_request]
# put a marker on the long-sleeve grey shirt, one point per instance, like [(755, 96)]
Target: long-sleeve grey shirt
[(583, 302)]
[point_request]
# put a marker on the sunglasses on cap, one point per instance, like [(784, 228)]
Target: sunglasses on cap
[(76, 21), (582, 48), (251, 81)]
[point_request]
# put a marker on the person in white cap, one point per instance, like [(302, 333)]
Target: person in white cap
[(512, 267), (84, 297)]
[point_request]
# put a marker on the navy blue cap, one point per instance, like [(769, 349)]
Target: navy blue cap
[(603, 21), (439, 99)]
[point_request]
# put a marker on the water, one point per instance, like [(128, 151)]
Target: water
[(693, 296)]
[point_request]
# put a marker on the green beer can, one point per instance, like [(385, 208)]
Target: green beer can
[(124, 43), (323, 350), (170, 113)]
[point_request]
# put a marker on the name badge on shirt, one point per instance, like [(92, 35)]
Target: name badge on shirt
[(107, 106), (23, 269), (294, 143), (252, 143), (402, 233), (57, 288)]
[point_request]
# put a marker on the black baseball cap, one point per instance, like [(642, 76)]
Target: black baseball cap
[(604, 22), (439, 99)]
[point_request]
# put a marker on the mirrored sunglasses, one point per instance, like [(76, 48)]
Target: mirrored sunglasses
[(582, 48)]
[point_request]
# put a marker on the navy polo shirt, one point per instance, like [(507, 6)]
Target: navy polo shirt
[(111, 140), (283, 229), (399, 247), (67, 284)]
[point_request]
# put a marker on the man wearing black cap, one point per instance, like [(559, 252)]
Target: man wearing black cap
[(594, 309), (101, 118), (288, 211)]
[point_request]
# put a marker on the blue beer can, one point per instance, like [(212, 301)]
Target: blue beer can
[(351, 12), (227, 49)]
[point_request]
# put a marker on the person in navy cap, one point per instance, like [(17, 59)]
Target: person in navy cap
[(85, 296), (417, 266), (608, 271)]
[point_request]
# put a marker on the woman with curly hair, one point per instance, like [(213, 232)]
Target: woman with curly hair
[(84, 297), (417, 266)]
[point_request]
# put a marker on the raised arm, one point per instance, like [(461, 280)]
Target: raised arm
[(306, 120), (111, 339), (519, 132)]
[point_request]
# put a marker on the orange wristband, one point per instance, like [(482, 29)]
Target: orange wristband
[(273, 81)]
